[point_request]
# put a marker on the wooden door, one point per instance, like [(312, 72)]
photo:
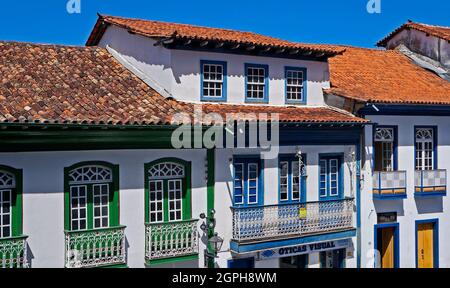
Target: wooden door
[(425, 249), (387, 248)]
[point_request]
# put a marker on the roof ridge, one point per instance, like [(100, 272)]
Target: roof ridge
[(51, 45)]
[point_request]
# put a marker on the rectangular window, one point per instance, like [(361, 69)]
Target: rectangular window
[(5, 213), (252, 183), (156, 201), (330, 178), (295, 85), (175, 200), (425, 148), (284, 177), (291, 179), (384, 141), (239, 184), (213, 80), (256, 83), (247, 188), (101, 205), (78, 198)]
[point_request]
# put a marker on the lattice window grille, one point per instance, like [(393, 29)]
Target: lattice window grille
[(90, 175), (384, 135), (7, 180), (166, 170)]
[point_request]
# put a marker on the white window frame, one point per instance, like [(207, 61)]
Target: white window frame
[(256, 183), (2, 214), (427, 145), (156, 212), (78, 208), (255, 84), (241, 183), (214, 82), (101, 205), (300, 86), (286, 177), (178, 199)]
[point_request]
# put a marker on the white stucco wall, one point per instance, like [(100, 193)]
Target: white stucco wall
[(43, 198), (411, 209), (224, 185), (178, 71)]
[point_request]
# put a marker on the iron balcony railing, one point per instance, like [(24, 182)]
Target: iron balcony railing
[(171, 239), (430, 182), (13, 252), (95, 248), (389, 184), (252, 224)]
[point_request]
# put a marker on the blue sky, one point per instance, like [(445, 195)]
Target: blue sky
[(315, 21)]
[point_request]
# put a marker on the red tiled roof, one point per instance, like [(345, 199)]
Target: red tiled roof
[(385, 77), (437, 31), (157, 29), (86, 85)]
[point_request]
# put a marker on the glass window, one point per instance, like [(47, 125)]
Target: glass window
[(256, 83), (294, 85), (424, 149), (246, 188), (384, 149), (213, 80)]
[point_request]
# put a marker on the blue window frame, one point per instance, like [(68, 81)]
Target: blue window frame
[(256, 83), (292, 184), (295, 85), (330, 177), (425, 147), (435, 223), (213, 80), (248, 187)]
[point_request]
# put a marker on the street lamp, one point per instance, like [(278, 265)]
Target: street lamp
[(214, 240)]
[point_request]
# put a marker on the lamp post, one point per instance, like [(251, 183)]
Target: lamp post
[(214, 240)]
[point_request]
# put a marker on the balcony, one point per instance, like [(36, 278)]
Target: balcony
[(171, 239), (284, 221), (430, 183), (13, 252), (95, 248), (389, 184)]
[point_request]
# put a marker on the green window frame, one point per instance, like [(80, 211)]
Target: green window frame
[(160, 188), (11, 184), (80, 190)]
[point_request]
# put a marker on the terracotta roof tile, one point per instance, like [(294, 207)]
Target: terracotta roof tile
[(437, 31), (86, 85), (157, 29), (385, 77)]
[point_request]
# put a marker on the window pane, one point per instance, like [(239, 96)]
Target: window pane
[(156, 200), (213, 80), (78, 207), (175, 199)]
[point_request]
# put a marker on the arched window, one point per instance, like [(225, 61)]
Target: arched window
[(167, 191), (92, 196), (425, 146), (10, 202)]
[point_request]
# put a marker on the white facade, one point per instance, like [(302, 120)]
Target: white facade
[(412, 208), (178, 71), (43, 201)]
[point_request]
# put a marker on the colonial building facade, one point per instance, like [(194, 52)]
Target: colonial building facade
[(90, 175)]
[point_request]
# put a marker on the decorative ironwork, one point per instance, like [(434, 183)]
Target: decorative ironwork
[(430, 181), (166, 170), (384, 135), (389, 182), (171, 239), (424, 134), (284, 221), (7, 180), (94, 248), (13, 252), (90, 174)]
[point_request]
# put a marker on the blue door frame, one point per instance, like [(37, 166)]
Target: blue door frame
[(328, 160), (435, 240), (396, 227)]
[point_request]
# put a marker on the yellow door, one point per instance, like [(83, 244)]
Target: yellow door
[(387, 248), (425, 249)]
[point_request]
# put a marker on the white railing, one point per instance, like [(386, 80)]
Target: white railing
[(95, 248), (291, 220), (13, 252), (389, 183), (426, 181), (171, 239)]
